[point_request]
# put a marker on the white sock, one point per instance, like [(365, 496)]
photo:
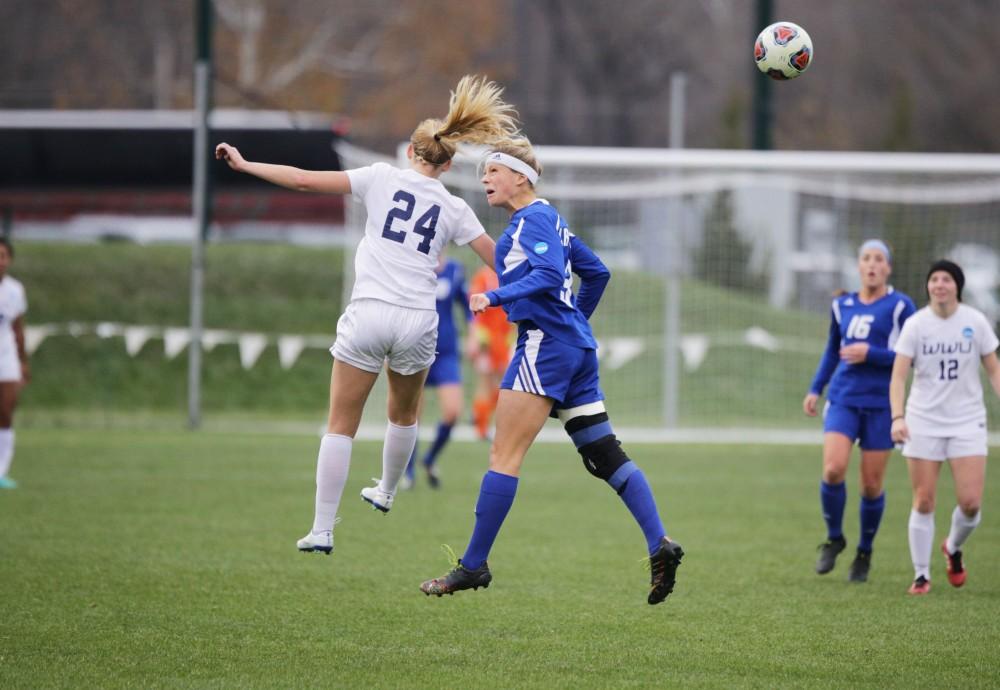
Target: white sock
[(399, 444), (6, 450), (332, 466), (961, 528), (921, 540)]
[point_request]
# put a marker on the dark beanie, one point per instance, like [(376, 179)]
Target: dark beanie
[(952, 269)]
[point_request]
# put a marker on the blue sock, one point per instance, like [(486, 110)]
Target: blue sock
[(833, 498), (631, 485), (443, 434), (496, 496), (871, 516)]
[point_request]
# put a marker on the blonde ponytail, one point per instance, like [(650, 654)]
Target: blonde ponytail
[(476, 114)]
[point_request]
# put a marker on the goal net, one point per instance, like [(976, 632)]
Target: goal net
[(724, 264)]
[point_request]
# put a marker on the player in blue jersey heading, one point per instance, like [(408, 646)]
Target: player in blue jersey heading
[(553, 372), (864, 326), (445, 374)]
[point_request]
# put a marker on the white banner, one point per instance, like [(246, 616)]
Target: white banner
[(211, 338), (251, 345), (615, 353), (136, 337), (175, 340), (694, 349), (34, 335), (108, 330), (289, 349), (758, 337)]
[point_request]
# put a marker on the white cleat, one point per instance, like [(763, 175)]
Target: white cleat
[(380, 500), (312, 542)]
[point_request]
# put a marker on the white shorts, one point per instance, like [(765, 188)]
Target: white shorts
[(10, 367), (942, 448), (371, 332)]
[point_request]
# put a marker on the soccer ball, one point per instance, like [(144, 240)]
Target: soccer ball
[(783, 51)]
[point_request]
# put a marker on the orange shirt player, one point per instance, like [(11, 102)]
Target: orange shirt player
[(489, 350)]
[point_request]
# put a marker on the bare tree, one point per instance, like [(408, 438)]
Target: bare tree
[(901, 74)]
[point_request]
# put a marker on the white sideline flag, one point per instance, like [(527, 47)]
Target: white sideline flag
[(251, 345), (136, 337), (289, 349), (175, 340)]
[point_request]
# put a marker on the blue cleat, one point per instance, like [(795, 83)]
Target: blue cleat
[(7, 483)]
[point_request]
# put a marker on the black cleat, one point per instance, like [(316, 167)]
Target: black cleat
[(663, 570), (457, 579), (828, 552), (920, 586), (860, 566), (432, 477)]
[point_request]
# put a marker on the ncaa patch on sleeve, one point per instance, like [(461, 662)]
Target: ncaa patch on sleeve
[(541, 247)]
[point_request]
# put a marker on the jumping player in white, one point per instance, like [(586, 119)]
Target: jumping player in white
[(391, 318), (945, 418), (15, 371)]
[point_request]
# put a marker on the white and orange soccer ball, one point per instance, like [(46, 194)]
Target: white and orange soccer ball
[(783, 50)]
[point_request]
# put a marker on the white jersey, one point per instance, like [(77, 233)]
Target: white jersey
[(410, 219), (946, 398), (13, 304)]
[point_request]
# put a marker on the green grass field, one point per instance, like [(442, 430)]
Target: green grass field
[(167, 560)]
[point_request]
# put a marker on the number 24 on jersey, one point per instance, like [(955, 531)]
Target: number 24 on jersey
[(424, 226)]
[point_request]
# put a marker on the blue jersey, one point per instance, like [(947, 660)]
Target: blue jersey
[(536, 258), (450, 289), (865, 384)]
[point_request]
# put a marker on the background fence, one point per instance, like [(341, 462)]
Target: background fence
[(723, 268)]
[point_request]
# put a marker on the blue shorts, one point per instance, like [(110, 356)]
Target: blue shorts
[(545, 366), (870, 426), (446, 369)]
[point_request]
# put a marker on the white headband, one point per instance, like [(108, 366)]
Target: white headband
[(515, 164), (876, 244)]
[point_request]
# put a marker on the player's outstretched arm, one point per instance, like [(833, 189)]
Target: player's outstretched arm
[(478, 303), (485, 247), (327, 181), (547, 267)]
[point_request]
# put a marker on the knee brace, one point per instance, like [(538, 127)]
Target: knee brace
[(600, 450), (604, 457)]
